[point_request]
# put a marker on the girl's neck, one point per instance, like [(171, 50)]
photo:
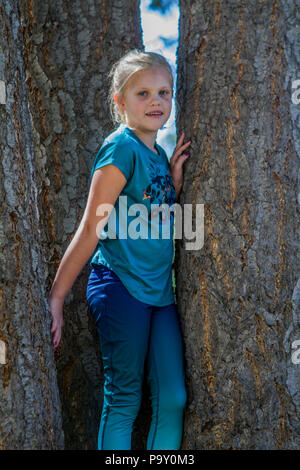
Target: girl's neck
[(149, 139)]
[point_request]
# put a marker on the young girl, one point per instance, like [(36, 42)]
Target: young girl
[(129, 291)]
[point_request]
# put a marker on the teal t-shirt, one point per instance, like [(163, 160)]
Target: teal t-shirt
[(144, 265)]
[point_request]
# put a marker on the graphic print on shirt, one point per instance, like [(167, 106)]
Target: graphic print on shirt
[(161, 189)]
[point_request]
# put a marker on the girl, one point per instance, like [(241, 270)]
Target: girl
[(129, 290)]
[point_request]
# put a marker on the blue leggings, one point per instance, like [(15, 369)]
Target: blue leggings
[(131, 332)]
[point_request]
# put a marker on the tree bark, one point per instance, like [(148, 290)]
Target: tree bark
[(30, 416), (239, 295)]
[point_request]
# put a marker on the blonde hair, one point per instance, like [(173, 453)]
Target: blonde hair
[(124, 68)]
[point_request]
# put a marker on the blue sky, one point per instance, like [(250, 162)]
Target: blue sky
[(159, 30)]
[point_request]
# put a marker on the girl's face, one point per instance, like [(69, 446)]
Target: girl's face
[(147, 91)]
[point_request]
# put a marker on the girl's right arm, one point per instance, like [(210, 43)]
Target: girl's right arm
[(106, 185)]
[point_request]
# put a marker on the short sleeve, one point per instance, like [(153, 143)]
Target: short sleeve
[(120, 154)]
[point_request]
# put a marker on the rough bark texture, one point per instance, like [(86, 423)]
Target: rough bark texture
[(54, 121), (30, 411), (239, 296)]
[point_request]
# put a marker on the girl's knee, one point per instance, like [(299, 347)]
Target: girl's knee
[(175, 400), (181, 398)]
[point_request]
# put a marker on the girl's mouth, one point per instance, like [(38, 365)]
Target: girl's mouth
[(155, 115)]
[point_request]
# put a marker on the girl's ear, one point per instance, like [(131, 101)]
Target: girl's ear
[(118, 100)]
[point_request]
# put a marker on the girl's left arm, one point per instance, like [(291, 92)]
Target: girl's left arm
[(176, 162)]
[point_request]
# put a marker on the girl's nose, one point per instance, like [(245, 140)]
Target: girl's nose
[(157, 99)]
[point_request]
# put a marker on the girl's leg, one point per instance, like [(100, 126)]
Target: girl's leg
[(123, 325), (165, 375)]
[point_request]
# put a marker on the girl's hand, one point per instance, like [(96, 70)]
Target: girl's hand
[(176, 162), (56, 308)]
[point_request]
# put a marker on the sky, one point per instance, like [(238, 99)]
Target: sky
[(159, 30)]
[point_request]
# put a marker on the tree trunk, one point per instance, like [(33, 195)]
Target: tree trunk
[(57, 57), (239, 295), (30, 416)]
